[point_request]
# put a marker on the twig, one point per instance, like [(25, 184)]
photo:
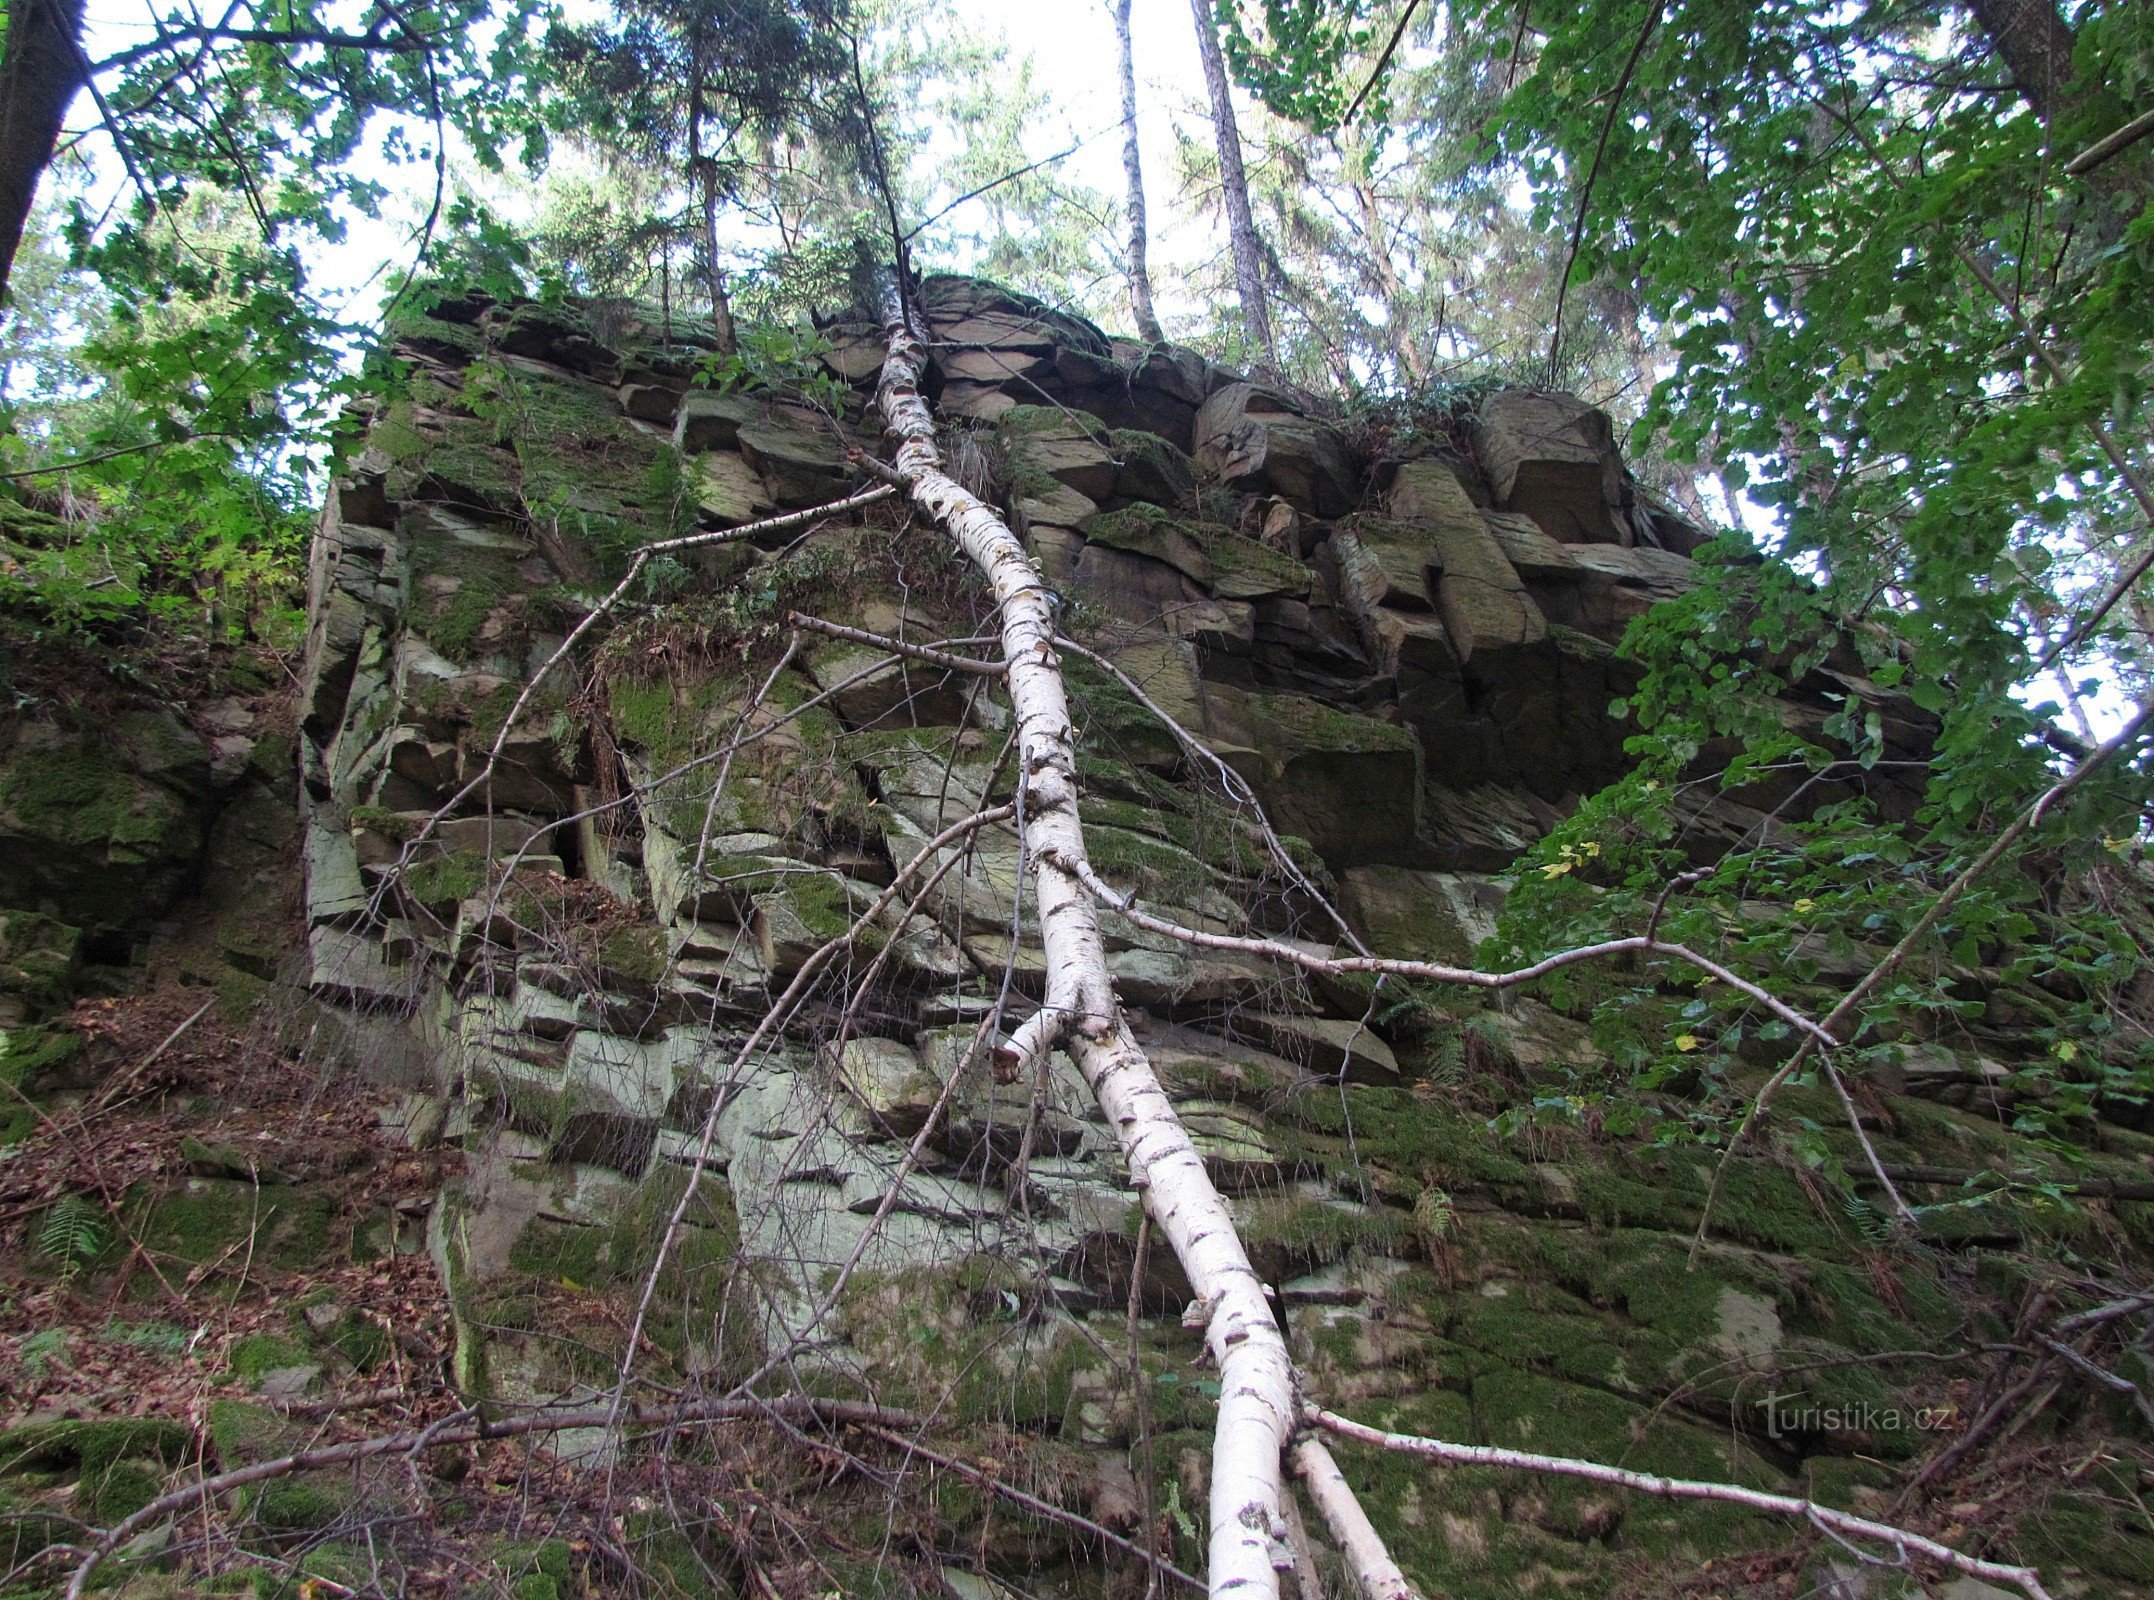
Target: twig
[(1585, 193), (111, 1090), (1032, 1503), (1376, 73), (921, 652), (1897, 955), (690, 541), (1233, 783)]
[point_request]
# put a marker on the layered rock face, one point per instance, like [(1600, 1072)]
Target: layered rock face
[(1407, 661)]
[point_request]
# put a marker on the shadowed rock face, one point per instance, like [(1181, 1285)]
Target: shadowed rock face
[(1408, 662)]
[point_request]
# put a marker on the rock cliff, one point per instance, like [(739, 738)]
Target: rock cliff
[(1400, 649)]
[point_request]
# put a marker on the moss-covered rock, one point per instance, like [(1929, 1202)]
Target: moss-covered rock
[(103, 826)]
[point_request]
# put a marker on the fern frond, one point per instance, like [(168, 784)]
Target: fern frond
[(73, 1231)]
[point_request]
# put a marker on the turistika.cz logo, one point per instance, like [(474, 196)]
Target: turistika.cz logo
[(1783, 1420)]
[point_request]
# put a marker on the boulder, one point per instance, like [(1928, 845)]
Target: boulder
[(801, 462), (101, 827), (1384, 561), (1421, 916), (1147, 467), (1253, 437), (1553, 457), (1349, 784), (1482, 601), (1146, 530), (729, 492), (1059, 446)]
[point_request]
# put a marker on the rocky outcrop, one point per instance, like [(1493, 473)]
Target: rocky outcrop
[(1409, 663)]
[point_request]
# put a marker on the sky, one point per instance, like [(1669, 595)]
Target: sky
[(1073, 46)]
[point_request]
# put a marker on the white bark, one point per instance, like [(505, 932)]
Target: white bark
[(1255, 1376), (1140, 276), (1374, 1571)]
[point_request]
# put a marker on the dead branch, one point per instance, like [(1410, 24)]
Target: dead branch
[(881, 641), (1902, 1540), (775, 1018), (1255, 1375), (591, 618), (1032, 1503), (1436, 972), (1897, 956)]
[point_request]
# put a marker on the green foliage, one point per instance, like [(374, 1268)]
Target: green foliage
[(782, 358), (74, 1231), (1295, 55)]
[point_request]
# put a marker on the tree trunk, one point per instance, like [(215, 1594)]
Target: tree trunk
[(1081, 1012), (40, 75), (2034, 41), (1234, 182), (703, 173), (721, 307), (1140, 277)]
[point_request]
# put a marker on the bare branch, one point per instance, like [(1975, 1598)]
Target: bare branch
[(1903, 1541), (899, 647), (1436, 972)]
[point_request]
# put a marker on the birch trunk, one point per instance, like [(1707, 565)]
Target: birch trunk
[(1234, 184), (1140, 277), (1248, 1535), (1376, 1575)]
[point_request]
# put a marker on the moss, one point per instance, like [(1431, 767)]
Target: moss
[(1296, 724), (361, 1340), (259, 1354), (1154, 457), (543, 1569), (637, 955), (239, 995), (1406, 1143), (938, 1337), (88, 800), (108, 1494), (204, 1218), (1542, 1329), (394, 826), (37, 960), (1243, 567), (2084, 1533), (1054, 422), (1116, 734), (1296, 1233), (446, 880), (1156, 869), (243, 1432), (32, 1061), (26, 1528), (92, 1444), (291, 1505)]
